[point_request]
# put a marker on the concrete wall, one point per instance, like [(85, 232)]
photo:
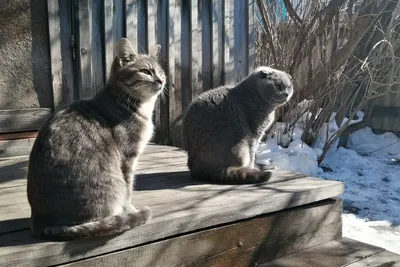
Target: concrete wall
[(25, 77)]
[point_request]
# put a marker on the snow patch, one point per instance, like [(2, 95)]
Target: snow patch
[(369, 167)]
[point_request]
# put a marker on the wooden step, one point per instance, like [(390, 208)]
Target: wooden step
[(196, 222), (344, 252)]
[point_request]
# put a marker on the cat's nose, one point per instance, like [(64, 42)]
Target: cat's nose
[(285, 94), (159, 81)]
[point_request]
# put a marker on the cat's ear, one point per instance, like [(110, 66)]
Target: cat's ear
[(155, 51), (125, 51)]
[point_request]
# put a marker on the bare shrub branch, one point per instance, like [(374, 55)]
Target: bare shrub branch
[(342, 54)]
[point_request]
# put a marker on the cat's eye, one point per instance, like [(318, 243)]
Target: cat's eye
[(263, 75), (145, 71)]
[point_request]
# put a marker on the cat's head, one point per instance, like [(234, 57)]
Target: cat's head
[(138, 75), (274, 86)]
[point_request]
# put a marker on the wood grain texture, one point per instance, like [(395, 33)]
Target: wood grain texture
[(131, 14), (68, 51), (113, 13), (90, 49), (85, 55), (271, 236), (180, 205), (197, 10), (202, 49), (241, 40), (174, 75), (55, 52), (381, 259), (162, 107), (142, 35), (218, 34), (186, 53), (19, 147), (229, 42), (18, 135), (28, 119), (339, 253), (251, 35)]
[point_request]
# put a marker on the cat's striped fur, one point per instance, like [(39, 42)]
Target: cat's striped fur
[(80, 174)]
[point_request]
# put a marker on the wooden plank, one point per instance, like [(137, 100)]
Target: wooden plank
[(218, 42), (229, 42), (142, 27), (13, 173), (97, 48), (19, 248), (174, 75), (113, 13), (152, 10), (241, 40), (55, 52), (344, 252), (381, 259), (28, 119), (185, 53), (132, 22), (85, 43), (19, 147), (162, 109), (68, 51), (196, 9), (252, 41), (204, 47), (270, 236), (19, 135), (109, 42)]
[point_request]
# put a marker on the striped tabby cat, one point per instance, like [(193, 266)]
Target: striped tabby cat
[(80, 174)]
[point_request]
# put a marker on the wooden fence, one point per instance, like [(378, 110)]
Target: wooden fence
[(204, 44)]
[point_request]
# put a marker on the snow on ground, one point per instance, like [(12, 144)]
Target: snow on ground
[(370, 169)]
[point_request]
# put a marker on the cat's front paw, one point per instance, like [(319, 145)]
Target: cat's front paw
[(145, 214)]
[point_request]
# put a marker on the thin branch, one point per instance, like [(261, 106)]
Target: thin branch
[(292, 13)]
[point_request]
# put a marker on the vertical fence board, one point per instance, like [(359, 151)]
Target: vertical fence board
[(251, 35), (91, 49), (109, 42), (240, 40), (205, 46), (228, 42), (185, 52), (97, 47), (85, 42), (196, 48), (218, 42), (142, 27), (67, 50), (162, 118), (152, 9), (113, 18), (119, 20), (55, 51), (175, 90), (131, 13)]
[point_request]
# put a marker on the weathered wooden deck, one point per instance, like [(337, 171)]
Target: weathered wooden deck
[(194, 224)]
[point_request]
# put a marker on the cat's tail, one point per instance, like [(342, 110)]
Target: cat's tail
[(107, 226), (230, 175)]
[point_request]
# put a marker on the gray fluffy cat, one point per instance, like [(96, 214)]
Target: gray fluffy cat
[(223, 127), (80, 174)]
